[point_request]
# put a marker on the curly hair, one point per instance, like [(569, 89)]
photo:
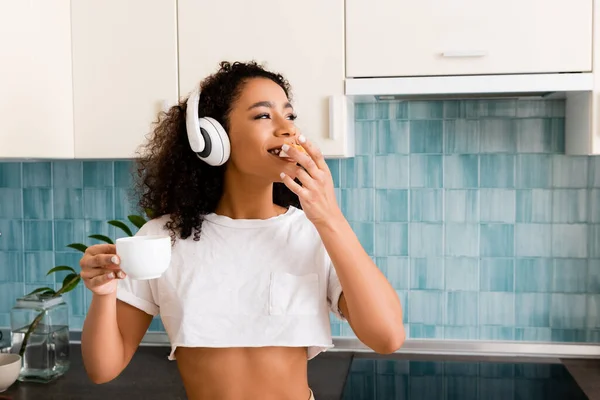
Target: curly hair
[(171, 179)]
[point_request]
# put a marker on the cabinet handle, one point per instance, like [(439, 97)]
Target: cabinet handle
[(459, 54)]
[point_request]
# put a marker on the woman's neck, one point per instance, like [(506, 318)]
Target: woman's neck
[(246, 197)]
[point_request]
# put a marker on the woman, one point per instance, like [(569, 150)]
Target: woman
[(261, 253)]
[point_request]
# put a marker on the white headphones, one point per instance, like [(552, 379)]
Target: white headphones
[(206, 135)]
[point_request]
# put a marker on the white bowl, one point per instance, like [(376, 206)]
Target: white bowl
[(10, 367)]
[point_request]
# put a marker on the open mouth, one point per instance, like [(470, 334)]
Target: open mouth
[(276, 151)]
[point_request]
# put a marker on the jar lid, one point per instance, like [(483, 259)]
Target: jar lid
[(38, 301)]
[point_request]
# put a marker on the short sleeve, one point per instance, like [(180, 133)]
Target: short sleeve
[(334, 290), (138, 293)]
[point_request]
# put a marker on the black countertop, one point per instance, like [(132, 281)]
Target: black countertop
[(150, 376)]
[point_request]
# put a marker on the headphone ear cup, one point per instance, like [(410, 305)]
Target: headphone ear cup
[(217, 148)]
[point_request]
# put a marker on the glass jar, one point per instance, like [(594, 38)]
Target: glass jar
[(41, 324)]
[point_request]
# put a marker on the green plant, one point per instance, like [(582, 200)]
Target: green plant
[(73, 278)]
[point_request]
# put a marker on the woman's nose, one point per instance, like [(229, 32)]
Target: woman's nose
[(287, 129)]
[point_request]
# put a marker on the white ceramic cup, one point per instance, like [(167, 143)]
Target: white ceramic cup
[(144, 257), (10, 367)]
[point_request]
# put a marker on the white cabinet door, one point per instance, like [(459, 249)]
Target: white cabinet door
[(436, 37), (303, 40), (124, 72), (36, 103)]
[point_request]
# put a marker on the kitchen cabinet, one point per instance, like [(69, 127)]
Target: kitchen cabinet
[(467, 37), (303, 40), (124, 73), (36, 103)]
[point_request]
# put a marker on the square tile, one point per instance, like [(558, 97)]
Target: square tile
[(462, 205), (594, 205), (570, 275), (569, 240), (491, 108), (365, 233), (125, 173), (568, 311), (497, 275), (398, 109), (532, 310), (497, 205), (11, 269), (593, 172), (593, 280), (11, 203), (364, 111), (534, 205), (426, 136), (357, 172), (426, 307), (534, 171), (462, 308), (496, 308), (391, 239), (537, 135), (67, 174), (461, 333), (12, 235), (68, 203), (533, 275), (427, 273), (37, 203), (431, 109), (497, 136), (461, 136), (390, 172), (497, 171), (568, 335), (594, 240), (391, 205), (461, 171), (394, 140), (8, 293), (426, 171), (98, 203), (593, 311), (420, 331), (462, 240), (67, 232), (332, 163), (37, 174), (426, 240), (37, 265), (569, 171), (496, 240), (426, 205), (10, 175), (396, 270), (98, 174), (569, 205), (540, 108), (358, 204), (37, 235), (533, 334), (533, 240), (461, 273), (365, 132)]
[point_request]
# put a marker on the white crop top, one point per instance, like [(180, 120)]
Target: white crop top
[(245, 283)]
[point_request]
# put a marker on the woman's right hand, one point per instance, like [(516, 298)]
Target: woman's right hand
[(100, 269)]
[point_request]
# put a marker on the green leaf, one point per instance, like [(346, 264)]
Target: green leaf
[(149, 213), (137, 220), (61, 268), (69, 283), (49, 291), (41, 290), (78, 246), (102, 238), (121, 226)]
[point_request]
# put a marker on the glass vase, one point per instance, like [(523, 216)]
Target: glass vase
[(40, 334)]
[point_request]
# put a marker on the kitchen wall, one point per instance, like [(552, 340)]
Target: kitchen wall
[(484, 229)]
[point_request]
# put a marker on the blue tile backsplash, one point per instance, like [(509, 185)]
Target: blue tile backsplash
[(484, 227)]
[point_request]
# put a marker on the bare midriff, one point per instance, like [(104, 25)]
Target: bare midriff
[(260, 373)]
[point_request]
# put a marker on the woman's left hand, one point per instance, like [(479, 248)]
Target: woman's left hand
[(317, 195)]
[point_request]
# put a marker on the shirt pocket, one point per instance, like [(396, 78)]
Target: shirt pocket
[(294, 294)]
